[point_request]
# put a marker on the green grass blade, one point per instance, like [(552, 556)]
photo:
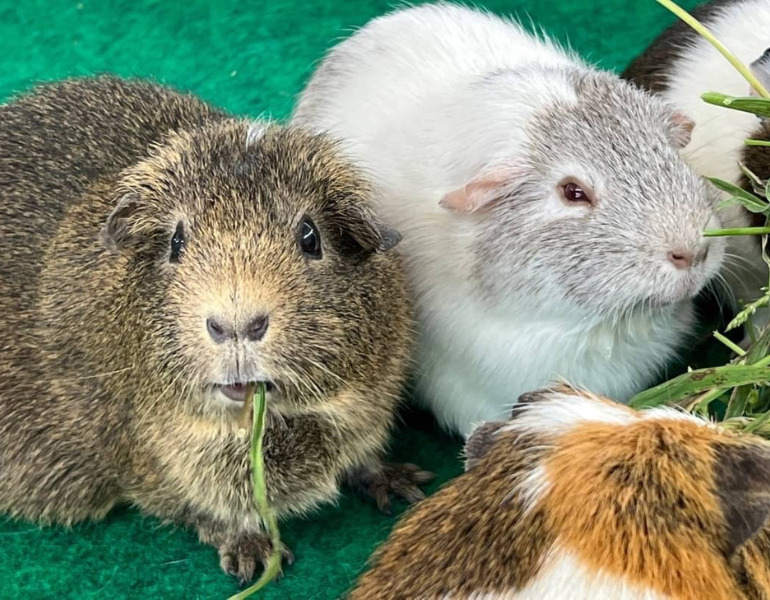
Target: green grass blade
[(696, 382), (755, 106), (751, 202), (260, 496), (732, 59)]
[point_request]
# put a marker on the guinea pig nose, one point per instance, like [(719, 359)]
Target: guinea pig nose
[(681, 259), (256, 328), (218, 331)]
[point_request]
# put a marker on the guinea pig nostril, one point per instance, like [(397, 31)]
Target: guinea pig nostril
[(257, 328), (681, 259), (217, 331)]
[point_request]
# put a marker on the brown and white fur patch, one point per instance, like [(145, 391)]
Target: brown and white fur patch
[(579, 498)]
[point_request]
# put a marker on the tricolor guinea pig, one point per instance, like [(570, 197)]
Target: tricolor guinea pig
[(579, 498)]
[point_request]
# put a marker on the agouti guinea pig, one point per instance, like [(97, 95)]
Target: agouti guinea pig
[(578, 498), (159, 258)]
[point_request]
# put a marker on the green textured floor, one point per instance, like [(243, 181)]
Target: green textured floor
[(252, 58)]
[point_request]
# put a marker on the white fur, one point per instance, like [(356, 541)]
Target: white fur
[(666, 413), (563, 577), (255, 132), (531, 488), (412, 109), (717, 140), (562, 412)]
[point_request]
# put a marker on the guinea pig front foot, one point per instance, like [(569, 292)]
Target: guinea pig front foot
[(385, 479), (238, 555)]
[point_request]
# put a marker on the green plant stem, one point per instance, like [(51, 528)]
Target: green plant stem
[(737, 231), (260, 496), (756, 143), (734, 61), (730, 344)]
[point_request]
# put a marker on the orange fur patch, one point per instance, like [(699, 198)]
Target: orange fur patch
[(643, 507)]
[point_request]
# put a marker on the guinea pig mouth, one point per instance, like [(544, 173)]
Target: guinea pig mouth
[(237, 392)]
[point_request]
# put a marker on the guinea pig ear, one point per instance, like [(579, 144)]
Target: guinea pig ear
[(479, 193), (761, 70), (742, 480), (368, 231), (114, 234), (480, 441), (680, 130)]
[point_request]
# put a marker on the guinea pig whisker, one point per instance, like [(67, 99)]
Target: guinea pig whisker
[(151, 404), (326, 370), (299, 380)]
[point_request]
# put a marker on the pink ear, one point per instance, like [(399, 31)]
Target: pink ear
[(479, 192), (681, 130)]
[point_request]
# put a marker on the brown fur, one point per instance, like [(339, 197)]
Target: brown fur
[(663, 504), (106, 360)]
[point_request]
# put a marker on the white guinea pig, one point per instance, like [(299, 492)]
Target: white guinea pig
[(549, 226), (680, 65)]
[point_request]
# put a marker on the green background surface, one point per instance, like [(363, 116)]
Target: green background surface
[(251, 58)]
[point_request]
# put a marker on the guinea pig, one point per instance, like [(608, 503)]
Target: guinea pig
[(160, 257), (579, 498), (679, 66), (550, 229)]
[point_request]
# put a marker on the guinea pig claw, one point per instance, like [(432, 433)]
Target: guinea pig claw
[(399, 479), (239, 557)]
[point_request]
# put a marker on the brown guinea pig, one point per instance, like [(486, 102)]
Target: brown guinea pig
[(159, 258), (579, 498)]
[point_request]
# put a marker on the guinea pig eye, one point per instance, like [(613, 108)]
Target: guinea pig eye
[(309, 239), (177, 244), (573, 193)]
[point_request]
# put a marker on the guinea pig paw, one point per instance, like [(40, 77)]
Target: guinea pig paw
[(238, 557), (398, 479)]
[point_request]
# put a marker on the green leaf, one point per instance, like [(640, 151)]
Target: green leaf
[(761, 347), (728, 203), (701, 380), (755, 205), (749, 200), (756, 106), (739, 399)]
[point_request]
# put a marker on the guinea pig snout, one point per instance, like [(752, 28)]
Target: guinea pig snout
[(684, 258), (251, 329)]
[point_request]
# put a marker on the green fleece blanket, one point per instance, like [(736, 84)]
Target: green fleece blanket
[(251, 58)]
